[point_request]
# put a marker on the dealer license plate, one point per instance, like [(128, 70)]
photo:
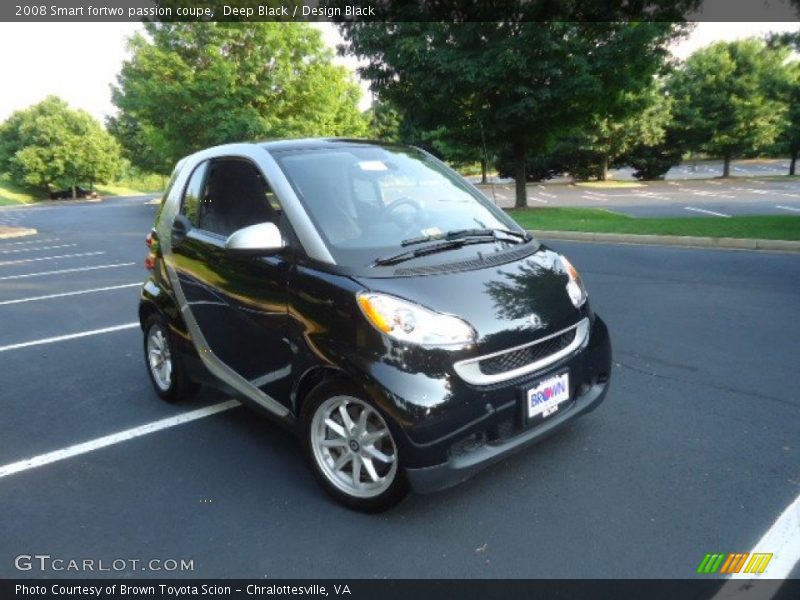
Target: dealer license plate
[(546, 396)]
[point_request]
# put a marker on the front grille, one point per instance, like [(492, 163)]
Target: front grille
[(512, 363), (516, 359)]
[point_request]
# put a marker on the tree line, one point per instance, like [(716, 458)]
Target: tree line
[(538, 100), (530, 99)]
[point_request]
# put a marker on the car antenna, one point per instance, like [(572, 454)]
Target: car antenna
[(486, 161)]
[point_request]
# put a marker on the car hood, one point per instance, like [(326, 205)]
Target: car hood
[(507, 304)]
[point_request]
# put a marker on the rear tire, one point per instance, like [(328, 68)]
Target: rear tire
[(163, 363), (351, 448)]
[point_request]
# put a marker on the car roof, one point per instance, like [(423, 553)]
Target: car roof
[(282, 145), (316, 143)]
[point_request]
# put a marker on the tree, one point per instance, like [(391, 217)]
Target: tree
[(789, 137), (654, 160), (192, 85), (648, 115), (790, 131), (51, 146), (384, 121), (525, 83), (727, 100)]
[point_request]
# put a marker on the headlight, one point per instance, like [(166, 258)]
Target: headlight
[(409, 322), (575, 289)]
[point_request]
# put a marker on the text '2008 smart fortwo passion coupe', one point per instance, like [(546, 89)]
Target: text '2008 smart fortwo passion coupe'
[(373, 301)]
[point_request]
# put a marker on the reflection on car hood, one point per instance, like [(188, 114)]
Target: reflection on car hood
[(508, 304)]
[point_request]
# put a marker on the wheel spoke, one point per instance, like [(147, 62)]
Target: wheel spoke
[(375, 453), (342, 461), (336, 428), (371, 437), (333, 443), (373, 474), (357, 471), (361, 427), (348, 422)]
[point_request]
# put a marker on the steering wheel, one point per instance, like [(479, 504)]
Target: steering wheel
[(403, 220)]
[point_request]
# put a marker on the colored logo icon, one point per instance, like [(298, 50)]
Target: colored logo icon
[(755, 563)]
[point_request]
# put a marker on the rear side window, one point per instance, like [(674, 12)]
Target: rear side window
[(235, 195), (192, 198)]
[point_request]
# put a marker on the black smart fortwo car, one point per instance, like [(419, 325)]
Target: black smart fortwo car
[(370, 299)]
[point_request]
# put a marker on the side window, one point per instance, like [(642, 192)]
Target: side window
[(190, 207), (236, 195)]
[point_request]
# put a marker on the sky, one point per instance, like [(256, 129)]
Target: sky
[(79, 61)]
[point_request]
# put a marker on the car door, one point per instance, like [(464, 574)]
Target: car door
[(238, 302)]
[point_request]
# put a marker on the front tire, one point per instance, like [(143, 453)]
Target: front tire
[(351, 448), (163, 364)]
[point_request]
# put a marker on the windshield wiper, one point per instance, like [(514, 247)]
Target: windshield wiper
[(445, 245), (458, 234)]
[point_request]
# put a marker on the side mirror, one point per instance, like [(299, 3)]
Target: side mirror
[(180, 227), (259, 239)]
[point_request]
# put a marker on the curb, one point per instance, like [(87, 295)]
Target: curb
[(722, 243), (15, 232)]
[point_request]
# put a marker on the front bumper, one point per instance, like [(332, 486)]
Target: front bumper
[(477, 426), (462, 467)]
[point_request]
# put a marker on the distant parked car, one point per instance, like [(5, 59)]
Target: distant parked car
[(67, 194), (371, 300)]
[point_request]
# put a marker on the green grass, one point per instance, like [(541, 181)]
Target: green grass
[(603, 221), (11, 193), (120, 189), (134, 183)]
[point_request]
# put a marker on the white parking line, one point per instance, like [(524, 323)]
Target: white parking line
[(43, 273), (791, 208), (707, 212), (69, 336), (782, 540), (30, 242), (115, 438), (21, 261), (18, 250), (65, 294)]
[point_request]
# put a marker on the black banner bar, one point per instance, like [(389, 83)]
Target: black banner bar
[(398, 10), (671, 589)]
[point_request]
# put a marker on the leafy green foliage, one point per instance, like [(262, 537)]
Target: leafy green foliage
[(727, 98), (788, 140), (588, 152), (51, 146), (524, 83), (188, 86)]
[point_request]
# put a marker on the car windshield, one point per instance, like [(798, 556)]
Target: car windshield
[(366, 201)]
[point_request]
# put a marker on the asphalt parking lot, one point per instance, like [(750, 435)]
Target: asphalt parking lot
[(674, 198), (695, 450)]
